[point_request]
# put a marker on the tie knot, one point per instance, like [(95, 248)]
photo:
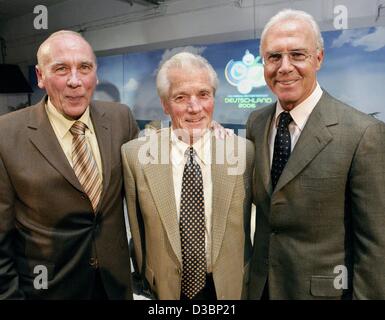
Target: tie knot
[(284, 119), (191, 153), (78, 128)]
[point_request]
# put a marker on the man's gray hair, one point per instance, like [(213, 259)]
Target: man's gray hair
[(183, 60), (290, 14)]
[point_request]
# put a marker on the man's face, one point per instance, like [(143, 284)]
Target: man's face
[(68, 73), (190, 101), (291, 81)]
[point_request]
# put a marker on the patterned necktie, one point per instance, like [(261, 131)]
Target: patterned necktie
[(192, 228), (84, 164), (282, 147)]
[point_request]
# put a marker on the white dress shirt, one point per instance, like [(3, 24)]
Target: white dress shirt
[(300, 115), (178, 160)]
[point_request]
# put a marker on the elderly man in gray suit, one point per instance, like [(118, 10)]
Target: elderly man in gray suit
[(319, 181), (188, 193)]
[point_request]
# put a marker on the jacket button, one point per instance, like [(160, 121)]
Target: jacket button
[(83, 196), (93, 263)]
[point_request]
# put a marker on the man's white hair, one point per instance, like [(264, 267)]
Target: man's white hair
[(290, 14), (183, 60)]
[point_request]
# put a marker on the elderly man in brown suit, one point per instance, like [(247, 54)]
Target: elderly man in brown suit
[(188, 193), (62, 228), (319, 182)]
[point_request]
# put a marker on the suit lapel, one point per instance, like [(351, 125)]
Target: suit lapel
[(43, 137), (314, 138), (103, 135), (160, 182), (262, 147), (223, 186)]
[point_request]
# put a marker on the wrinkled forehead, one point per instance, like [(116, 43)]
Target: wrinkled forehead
[(289, 35), (190, 74), (65, 47)]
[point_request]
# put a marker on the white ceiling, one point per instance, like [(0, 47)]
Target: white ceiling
[(13, 8)]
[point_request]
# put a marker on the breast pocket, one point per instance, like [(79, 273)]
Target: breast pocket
[(323, 184)]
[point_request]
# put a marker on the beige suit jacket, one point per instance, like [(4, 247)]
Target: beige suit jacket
[(153, 220)]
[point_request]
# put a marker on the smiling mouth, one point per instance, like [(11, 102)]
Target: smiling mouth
[(194, 120), (287, 82), (75, 98)]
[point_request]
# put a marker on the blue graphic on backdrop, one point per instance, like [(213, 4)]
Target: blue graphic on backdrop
[(245, 74)]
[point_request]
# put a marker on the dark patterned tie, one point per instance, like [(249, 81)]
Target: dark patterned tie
[(192, 228), (282, 147), (84, 164)]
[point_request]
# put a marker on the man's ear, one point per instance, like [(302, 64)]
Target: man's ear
[(164, 104), (39, 75), (320, 58)]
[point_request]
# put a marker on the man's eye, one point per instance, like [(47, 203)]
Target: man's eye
[(61, 69), (179, 99), (275, 57), (85, 67), (298, 56), (205, 94)]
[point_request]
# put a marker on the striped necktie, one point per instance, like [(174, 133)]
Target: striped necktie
[(84, 164)]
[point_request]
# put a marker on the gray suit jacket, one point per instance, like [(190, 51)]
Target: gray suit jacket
[(327, 210), (153, 220), (45, 217)]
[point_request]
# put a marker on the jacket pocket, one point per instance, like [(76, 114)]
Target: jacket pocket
[(323, 286), (324, 184)]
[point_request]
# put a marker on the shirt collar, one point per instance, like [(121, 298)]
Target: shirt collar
[(63, 124), (302, 112), (202, 148)]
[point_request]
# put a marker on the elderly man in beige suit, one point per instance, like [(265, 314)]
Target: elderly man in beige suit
[(188, 193), (319, 183)]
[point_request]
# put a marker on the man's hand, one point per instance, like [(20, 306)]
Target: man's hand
[(219, 131)]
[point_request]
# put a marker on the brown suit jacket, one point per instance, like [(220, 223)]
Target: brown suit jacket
[(153, 221), (45, 217), (327, 210)]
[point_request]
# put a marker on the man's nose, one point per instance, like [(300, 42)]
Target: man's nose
[(195, 105), (73, 80), (286, 65)]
